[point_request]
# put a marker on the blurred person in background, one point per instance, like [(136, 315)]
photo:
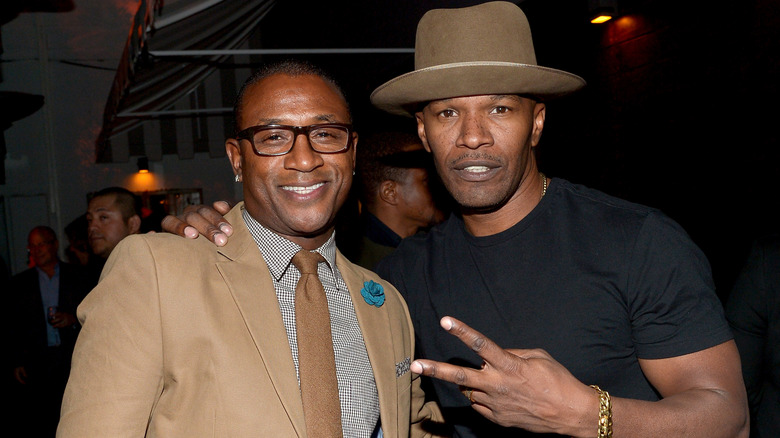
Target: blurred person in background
[(43, 301), (753, 312), (113, 213), (398, 195)]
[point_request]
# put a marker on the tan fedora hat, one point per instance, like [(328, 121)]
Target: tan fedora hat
[(483, 49)]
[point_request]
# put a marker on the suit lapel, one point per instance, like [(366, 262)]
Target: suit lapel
[(247, 277), (375, 326)]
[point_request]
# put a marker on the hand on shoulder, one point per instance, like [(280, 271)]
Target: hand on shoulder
[(201, 219)]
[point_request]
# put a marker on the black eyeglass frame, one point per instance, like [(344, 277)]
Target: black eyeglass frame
[(249, 133)]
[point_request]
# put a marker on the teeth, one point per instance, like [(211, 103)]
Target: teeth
[(476, 169), (303, 190)]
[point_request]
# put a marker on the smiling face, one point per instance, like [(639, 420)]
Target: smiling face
[(296, 195), (43, 248), (483, 148)]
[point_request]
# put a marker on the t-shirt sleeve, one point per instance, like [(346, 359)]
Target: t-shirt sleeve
[(672, 301)]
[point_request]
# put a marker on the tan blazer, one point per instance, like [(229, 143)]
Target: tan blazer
[(184, 339)]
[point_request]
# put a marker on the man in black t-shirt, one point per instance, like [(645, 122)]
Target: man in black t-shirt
[(581, 288), (566, 287)]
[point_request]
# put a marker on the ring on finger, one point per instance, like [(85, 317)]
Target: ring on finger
[(469, 395)]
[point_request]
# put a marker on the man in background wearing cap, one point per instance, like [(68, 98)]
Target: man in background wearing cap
[(396, 188), (581, 288)]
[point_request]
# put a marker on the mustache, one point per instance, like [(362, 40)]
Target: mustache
[(475, 155)]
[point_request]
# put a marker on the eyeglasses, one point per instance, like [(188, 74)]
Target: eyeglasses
[(275, 140)]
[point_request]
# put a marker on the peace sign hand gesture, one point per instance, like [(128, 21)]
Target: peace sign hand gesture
[(517, 388)]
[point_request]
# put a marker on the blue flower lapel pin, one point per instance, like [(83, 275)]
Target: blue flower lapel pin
[(373, 293)]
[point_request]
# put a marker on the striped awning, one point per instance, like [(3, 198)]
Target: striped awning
[(185, 61), (176, 104)]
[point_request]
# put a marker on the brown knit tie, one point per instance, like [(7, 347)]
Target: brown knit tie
[(316, 360)]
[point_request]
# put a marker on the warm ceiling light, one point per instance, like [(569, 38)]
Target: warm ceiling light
[(602, 11), (143, 165)]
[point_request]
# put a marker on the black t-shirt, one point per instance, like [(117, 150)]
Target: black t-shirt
[(596, 281)]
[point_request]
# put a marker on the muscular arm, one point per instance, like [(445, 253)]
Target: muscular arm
[(703, 395), (703, 392)]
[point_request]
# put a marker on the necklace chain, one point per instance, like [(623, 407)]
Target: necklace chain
[(544, 184)]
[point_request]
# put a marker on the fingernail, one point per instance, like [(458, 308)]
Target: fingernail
[(415, 367), (446, 323), (190, 232), (220, 239)]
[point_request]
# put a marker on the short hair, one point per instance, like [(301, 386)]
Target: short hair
[(128, 202), (385, 156), (292, 68), (45, 231), (77, 229)]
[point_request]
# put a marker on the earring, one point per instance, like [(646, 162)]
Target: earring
[(238, 178), (353, 173)]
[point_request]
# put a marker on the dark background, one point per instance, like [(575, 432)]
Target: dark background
[(679, 112)]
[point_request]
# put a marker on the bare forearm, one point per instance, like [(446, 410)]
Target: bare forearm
[(693, 413), (703, 394)]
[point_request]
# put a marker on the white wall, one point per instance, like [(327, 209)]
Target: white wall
[(50, 158)]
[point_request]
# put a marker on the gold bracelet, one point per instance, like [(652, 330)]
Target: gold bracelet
[(605, 413)]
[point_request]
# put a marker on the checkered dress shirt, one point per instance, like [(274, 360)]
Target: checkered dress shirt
[(357, 387)]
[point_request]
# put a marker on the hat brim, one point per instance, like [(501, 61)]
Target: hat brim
[(401, 95)]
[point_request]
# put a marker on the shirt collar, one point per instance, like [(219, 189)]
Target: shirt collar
[(56, 271), (279, 251), (378, 232)]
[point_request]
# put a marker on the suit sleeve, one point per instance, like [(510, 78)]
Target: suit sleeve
[(116, 374), (426, 419)]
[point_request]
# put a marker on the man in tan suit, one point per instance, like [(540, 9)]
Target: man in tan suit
[(530, 263), (182, 338)]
